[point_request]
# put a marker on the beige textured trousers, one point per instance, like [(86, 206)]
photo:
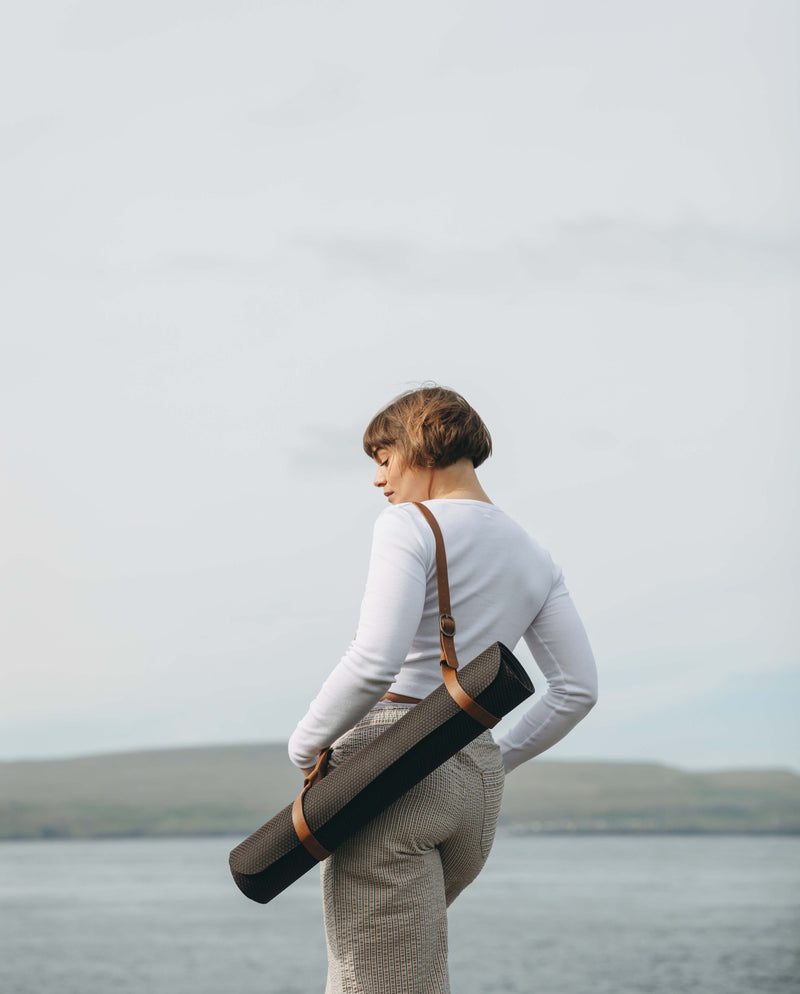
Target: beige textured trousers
[(386, 889)]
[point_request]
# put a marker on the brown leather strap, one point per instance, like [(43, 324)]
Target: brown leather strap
[(400, 698), (447, 625), (464, 701), (304, 833), (447, 631)]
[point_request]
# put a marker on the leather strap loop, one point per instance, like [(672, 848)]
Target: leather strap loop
[(464, 701), (447, 631), (304, 833)]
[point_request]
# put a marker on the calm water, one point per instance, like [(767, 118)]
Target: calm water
[(549, 914)]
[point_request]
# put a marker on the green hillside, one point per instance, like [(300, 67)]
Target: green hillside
[(233, 789)]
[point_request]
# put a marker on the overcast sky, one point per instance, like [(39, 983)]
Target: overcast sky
[(232, 231)]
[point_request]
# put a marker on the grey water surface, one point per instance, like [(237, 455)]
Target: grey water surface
[(551, 914)]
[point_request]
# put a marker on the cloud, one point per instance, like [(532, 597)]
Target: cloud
[(192, 264), (692, 248), (91, 25), (590, 249)]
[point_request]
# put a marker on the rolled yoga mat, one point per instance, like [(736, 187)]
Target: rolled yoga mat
[(350, 795)]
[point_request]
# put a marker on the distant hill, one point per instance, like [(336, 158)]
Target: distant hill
[(234, 789)]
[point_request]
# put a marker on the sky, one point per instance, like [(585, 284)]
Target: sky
[(233, 231)]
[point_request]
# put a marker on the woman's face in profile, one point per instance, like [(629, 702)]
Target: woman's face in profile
[(399, 483)]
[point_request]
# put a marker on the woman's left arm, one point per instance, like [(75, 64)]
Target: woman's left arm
[(391, 610), (559, 644)]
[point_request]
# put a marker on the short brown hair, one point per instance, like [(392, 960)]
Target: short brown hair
[(431, 427)]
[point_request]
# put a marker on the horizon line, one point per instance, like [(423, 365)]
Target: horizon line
[(611, 760)]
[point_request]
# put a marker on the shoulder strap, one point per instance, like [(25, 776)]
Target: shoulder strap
[(449, 660), (447, 631)]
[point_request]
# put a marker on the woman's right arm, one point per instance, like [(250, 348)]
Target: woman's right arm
[(560, 646), (391, 609)]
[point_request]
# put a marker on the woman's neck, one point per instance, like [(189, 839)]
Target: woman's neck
[(456, 482)]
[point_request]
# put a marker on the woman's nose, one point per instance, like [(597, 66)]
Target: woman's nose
[(380, 478)]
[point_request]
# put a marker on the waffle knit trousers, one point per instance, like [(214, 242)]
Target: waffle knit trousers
[(386, 889)]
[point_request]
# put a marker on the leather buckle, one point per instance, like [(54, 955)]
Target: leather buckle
[(445, 618)]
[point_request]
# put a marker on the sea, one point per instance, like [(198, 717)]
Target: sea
[(550, 914)]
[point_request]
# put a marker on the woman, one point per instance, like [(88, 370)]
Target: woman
[(386, 889)]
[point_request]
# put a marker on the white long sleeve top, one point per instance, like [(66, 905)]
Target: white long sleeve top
[(503, 587)]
